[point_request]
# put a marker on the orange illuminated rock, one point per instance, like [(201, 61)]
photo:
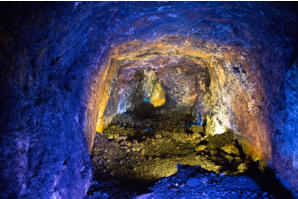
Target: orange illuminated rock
[(216, 82)]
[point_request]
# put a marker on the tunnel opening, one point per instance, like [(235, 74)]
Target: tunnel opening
[(189, 79), (186, 73), (157, 131), (176, 101)]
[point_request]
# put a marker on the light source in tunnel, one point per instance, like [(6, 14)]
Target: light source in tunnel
[(214, 127), (153, 91)]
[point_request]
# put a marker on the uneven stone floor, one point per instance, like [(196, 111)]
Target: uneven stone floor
[(149, 149), (192, 182), (134, 152)]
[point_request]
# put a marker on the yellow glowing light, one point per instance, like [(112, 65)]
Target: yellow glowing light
[(158, 97)]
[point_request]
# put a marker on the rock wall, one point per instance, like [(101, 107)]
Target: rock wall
[(285, 152), (52, 57), (43, 152)]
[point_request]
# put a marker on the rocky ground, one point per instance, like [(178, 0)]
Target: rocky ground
[(193, 182), (146, 149), (137, 157)]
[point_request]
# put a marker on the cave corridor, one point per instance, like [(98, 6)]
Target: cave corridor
[(149, 100)]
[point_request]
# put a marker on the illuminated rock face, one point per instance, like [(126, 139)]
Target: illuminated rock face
[(60, 64), (215, 81)]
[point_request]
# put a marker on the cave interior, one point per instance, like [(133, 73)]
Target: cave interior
[(149, 100)]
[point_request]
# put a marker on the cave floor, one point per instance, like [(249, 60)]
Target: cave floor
[(192, 182), (149, 149), (137, 157)]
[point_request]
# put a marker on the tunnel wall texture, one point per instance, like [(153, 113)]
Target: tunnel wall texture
[(230, 91), (53, 53)]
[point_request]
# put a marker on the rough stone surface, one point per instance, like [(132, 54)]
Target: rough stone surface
[(144, 149), (286, 130), (195, 183), (52, 56)]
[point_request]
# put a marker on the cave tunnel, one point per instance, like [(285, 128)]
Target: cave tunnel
[(149, 100)]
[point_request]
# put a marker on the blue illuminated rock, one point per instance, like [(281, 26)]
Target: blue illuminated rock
[(52, 55)]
